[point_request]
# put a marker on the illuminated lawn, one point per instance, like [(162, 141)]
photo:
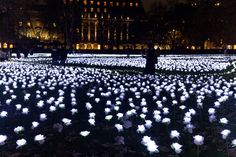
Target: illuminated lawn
[(67, 110)]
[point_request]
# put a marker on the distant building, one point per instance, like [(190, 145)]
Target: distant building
[(108, 24), (36, 25), (85, 24)]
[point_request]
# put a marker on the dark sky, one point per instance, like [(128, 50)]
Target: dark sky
[(148, 3)]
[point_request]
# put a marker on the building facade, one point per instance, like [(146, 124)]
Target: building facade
[(108, 24), (83, 24), (37, 25)]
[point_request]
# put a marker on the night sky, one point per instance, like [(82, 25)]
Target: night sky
[(148, 3)]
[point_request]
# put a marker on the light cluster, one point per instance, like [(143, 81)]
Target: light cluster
[(172, 106), (182, 63)]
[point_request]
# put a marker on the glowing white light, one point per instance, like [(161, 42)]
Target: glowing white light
[(198, 140), (21, 143), (66, 121), (34, 125), (141, 129), (3, 114), (84, 133), (43, 117), (119, 127), (108, 117), (39, 138), (18, 129), (224, 121), (177, 147), (3, 139), (174, 134), (225, 133)]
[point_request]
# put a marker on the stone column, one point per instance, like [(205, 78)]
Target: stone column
[(108, 32), (89, 31), (127, 35), (82, 31), (115, 35), (121, 32), (95, 31)]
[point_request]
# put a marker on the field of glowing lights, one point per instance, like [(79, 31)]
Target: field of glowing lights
[(99, 105)]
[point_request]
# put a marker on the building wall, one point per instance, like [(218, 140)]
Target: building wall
[(36, 25), (88, 24), (106, 24)]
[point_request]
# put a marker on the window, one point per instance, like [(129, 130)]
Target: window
[(105, 3), (105, 10), (217, 4), (123, 4), (91, 2), (131, 4), (98, 10), (85, 2), (28, 24), (136, 4), (85, 10), (111, 3), (98, 3), (91, 10), (117, 4), (20, 23)]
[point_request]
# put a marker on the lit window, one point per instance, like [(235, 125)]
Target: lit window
[(136, 4), (91, 2), (85, 10), (111, 3), (5, 45), (98, 10), (95, 15), (105, 3), (105, 10), (217, 4), (20, 23), (28, 24), (54, 24), (91, 9), (85, 2), (117, 3), (98, 3), (123, 4), (11, 46), (131, 4)]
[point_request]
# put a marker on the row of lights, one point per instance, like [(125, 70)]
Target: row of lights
[(88, 15), (131, 4), (6, 45)]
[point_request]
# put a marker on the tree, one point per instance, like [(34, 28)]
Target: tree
[(197, 20), (11, 11)]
